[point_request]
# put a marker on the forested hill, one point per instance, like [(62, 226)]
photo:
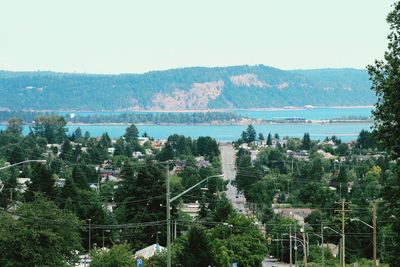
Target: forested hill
[(187, 88)]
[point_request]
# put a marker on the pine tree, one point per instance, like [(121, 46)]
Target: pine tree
[(269, 140)]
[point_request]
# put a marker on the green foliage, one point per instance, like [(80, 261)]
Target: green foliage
[(118, 255), (43, 235), (306, 142), (98, 92), (50, 127)]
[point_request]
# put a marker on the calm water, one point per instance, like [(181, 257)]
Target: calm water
[(346, 131)]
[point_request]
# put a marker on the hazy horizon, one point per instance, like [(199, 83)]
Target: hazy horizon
[(124, 36)]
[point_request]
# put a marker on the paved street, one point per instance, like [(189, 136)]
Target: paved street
[(228, 158)]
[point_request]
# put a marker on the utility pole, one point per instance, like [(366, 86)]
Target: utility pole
[(89, 245), (322, 244), (343, 240), (295, 246), (290, 240), (168, 220), (304, 248), (374, 229), (343, 237)]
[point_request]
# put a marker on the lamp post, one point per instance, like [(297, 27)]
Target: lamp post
[(90, 220), (373, 227), (43, 161), (343, 248), (103, 235), (304, 247), (169, 200)]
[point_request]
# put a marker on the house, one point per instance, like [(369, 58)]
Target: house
[(192, 209), (60, 182), (142, 140), (111, 150), (326, 155), (158, 144), (105, 172), (23, 183), (299, 214), (149, 251), (202, 163), (137, 154)]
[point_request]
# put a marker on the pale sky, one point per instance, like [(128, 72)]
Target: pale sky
[(121, 36)]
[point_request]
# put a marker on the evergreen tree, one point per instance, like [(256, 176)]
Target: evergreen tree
[(15, 126), (42, 181), (269, 140), (306, 142), (385, 77), (251, 134), (79, 178), (261, 137), (131, 134)]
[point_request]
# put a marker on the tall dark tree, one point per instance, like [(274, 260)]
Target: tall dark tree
[(131, 134), (42, 181), (251, 134), (385, 77), (51, 127), (79, 178), (269, 140), (15, 126), (306, 142)]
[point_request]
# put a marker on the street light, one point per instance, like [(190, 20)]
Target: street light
[(341, 235), (169, 200), (43, 161), (373, 231)]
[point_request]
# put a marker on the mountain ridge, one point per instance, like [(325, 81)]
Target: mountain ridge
[(191, 88)]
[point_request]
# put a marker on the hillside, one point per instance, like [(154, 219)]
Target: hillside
[(187, 88)]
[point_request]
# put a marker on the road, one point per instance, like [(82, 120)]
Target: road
[(228, 158)]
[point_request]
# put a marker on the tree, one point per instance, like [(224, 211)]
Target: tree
[(251, 134), (51, 127), (261, 137), (269, 140), (207, 147), (306, 142), (43, 235), (196, 252), (131, 134), (79, 178), (41, 181), (385, 77), (15, 126), (365, 140), (118, 255)]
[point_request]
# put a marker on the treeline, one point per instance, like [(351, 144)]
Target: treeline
[(132, 118), (159, 118)]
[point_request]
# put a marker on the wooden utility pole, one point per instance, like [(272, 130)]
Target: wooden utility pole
[(168, 219), (304, 248), (343, 240), (322, 245), (290, 240), (374, 229)]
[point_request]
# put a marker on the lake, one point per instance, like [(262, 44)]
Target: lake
[(346, 131)]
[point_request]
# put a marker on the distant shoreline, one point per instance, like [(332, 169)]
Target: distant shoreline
[(206, 110)]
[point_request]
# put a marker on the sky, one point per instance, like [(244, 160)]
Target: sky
[(135, 36)]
